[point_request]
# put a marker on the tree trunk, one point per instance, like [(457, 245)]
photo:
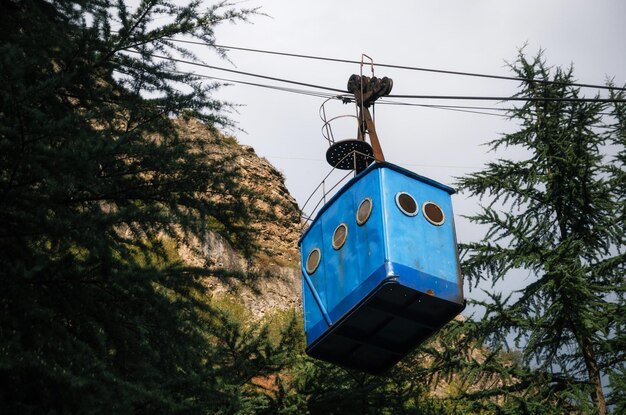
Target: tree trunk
[(585, 343), (594, 374)]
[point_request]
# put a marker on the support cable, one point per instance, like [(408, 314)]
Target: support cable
[(203, 65), (278, 88), (439, 97), (404, 67), (514, 98)]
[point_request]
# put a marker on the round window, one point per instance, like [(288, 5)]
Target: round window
[(433, 213), (340, 235), (364, 211), (406, 204), (313, 261)]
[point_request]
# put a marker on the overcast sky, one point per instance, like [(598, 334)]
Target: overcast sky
[(471, 36)]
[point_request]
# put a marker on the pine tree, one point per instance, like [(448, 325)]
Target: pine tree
[(315, 387), (616, 129), (98, 314), (555, 216)]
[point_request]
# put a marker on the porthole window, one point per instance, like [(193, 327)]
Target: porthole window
[(364, 211), (340, 235), (406, 204), (313, 261), (433, 213)]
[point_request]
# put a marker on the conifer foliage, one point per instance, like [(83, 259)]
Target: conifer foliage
[(554, 215), (97, 314)]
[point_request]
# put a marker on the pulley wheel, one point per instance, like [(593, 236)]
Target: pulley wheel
[(350, 154)]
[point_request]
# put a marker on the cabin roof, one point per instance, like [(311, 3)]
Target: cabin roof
[(372, 167)]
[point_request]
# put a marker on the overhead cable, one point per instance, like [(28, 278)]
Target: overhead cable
[(344, 98), (460, 108), (274, 87), (412, 68), (203, 65), (451, 97), (514, 98), (457, 108)]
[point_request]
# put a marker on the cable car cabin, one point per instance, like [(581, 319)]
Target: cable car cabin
[(380, 269)]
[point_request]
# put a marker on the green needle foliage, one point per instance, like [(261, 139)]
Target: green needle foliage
[(315, 387), (554, 215), (617, 342), (97, 315)]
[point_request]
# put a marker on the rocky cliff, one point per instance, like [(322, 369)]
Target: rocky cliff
[(272, 275)]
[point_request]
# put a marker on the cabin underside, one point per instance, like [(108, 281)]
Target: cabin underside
[(383, 328)]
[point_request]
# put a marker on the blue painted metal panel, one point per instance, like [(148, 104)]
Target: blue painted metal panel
[(374, 167), (314, 321), (342, 265), (370, 236), (355, 265), (313, 314), (389, 247), (413, 241)]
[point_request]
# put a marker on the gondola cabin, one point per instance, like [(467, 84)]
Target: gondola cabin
[(380, 269)]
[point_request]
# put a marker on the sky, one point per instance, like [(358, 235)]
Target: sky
[(472, 36)]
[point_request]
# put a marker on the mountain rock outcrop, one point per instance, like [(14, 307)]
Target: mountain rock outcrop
[(270, 280)]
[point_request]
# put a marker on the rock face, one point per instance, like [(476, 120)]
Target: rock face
[(273, 287), (273, 275)]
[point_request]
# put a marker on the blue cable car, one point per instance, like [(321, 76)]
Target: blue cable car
[(380, 269), (380, 266)]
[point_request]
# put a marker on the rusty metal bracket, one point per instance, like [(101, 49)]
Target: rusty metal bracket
[(357, 154), (366, 91)]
